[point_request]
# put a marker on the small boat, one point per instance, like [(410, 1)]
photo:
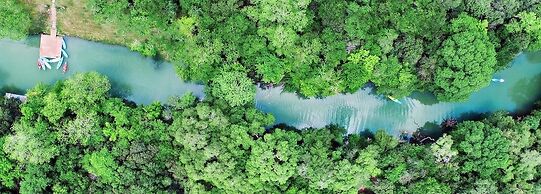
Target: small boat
[(47, 64), (63, 44), (65, 67), (59, 63), (394, 99), (41, 64), (64, 53), (498, 80)]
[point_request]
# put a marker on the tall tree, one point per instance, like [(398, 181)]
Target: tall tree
[(233, 87), (468, 60), (482, 148)]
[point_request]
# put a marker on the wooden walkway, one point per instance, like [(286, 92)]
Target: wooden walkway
[(51, 45), (52, 18)]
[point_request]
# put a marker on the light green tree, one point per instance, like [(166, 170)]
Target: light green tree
[(358, 70), (233, 87), (528, 24), (442, 150), (85, 89), (102, 165), (273, 160), (31, 144)]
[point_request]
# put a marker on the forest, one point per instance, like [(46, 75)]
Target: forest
[(319, 48), (75, 137)]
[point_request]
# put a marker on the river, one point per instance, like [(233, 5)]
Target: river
[(145, 80)]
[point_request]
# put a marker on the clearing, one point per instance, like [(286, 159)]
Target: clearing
[(74, 20)]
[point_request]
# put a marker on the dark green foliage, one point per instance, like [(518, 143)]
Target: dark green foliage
[(468, 60), (495, 12), (73, 137), (34, 179), (308, 45), (9, 112), (483, 149)]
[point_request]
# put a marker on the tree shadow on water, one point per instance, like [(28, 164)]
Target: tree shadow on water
[(158, 61), (526, 92), (11, 89), (431, 129), (120, 89), (3, 76), (425, 98), (533, 57)]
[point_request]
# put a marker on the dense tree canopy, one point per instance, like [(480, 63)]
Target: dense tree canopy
[(468, 59), (74, 137), (212, 146), (233, 87), (447, 47)]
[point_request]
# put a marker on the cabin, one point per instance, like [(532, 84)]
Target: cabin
[(15, 96), (51, 45)]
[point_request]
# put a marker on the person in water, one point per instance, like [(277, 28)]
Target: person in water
[(65, 68)]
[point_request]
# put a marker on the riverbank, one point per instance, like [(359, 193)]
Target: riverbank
[(74, 19), (145, 80), (166, 30)]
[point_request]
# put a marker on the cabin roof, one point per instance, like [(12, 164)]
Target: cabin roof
[(50, 46)]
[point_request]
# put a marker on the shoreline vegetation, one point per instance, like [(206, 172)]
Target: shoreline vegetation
[(321, 48), (73, 137), (318, 48)]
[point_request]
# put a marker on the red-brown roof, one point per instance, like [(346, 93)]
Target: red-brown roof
[(50, 46)]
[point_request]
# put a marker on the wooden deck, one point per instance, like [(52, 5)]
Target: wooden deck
[(51, 45)]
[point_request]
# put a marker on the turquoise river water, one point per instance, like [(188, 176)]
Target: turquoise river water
[(144, 80)]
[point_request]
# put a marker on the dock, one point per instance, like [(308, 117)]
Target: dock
[(15, 96), (51, 45)]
